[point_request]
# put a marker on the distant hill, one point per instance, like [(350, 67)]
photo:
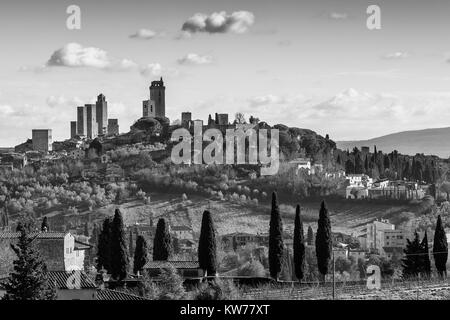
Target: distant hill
[(428, 141)]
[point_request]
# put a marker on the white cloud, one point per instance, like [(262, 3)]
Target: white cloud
[(74, 55), (396, 55), (151, 69), (219, 22), (338, 16), (267, 100), (6, 109), (146, 34), (62, 101), (193, 58)]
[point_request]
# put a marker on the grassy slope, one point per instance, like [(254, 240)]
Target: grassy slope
[(346, 216)]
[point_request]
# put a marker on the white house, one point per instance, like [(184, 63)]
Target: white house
[(301, 164)]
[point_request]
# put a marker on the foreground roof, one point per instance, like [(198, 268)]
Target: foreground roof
[(108, 295), (64, 279), (38, 235)]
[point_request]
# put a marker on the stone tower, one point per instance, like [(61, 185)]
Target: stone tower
[(158, 96), (102, 114)]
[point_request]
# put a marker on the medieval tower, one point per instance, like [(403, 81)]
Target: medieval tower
[(156, 105)]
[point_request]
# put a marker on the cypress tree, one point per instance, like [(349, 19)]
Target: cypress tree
[(29, 280), (359, 165), (299, 245), (412, 262), (86, 229), (440, 248), (44, 225), (162, 243), (140, 254), (207, 246), (426, 264), (276, 246), (104, 246), (119, 256), (130, 244), (323, 241), (349, 166), (310, 236)]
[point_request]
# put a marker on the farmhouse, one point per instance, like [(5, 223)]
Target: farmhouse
[(60, 250)]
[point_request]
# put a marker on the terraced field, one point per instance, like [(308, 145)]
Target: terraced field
[(346, 216), (425, 290)]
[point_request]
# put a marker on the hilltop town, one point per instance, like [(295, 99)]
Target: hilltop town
[(376, 200)]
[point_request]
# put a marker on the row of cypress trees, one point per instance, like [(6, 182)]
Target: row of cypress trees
[(417, 257), (112, 254), (323, 241)]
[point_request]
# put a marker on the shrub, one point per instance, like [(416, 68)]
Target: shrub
[(141, 194), (217, 289), (252, 268), (171, 286)]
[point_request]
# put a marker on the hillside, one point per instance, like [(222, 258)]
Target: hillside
[(429, 142)]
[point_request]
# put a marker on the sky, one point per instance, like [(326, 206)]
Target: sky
[(308, 64)]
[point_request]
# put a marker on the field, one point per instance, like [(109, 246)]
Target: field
[(435, 289), (346, 216)]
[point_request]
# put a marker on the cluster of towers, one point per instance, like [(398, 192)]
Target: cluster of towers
[(92, 120)]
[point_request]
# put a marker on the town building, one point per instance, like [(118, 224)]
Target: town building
[(375, 235), (240, 239), (357, 254), (182, 232), (13, 160), (42, 140), (148, 108), (394, 241), (340, 252), (356, 192), (359, 180), (186, 118), (401, 190), (60, 250), (73, 129), (301, 164), (113, 127)]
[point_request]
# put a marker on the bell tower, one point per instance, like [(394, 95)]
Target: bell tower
[(158, 96)]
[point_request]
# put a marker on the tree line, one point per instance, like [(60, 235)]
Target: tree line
[(389, 165)]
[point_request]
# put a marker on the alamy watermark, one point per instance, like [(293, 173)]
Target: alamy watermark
[(73, 21), (258, 148)]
